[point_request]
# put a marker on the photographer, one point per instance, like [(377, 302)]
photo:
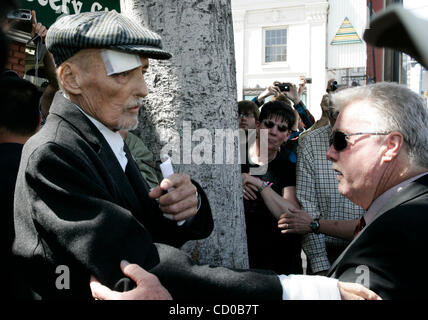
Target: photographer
[(293, 93), (268, 195), (38, 35)]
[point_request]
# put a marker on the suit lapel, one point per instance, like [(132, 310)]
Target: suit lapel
[(409, 192), (139, 185)]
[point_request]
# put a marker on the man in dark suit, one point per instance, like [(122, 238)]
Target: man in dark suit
[(81, 205), (80, 200), (379, 149)]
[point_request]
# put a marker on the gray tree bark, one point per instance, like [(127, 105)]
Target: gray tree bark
[(192, 103)]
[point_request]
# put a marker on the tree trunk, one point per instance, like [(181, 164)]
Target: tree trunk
[(192, 107)]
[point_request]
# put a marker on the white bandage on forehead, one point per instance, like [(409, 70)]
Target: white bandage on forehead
[(117, 61)]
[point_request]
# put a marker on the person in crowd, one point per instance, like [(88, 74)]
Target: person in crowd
[(293, 93), (316, 189), (49, 68), (289, 147), (38, 33), (19, 120), (81, 204), (266, 195), (248, 114), (5, 8), (290, 96), (321, 122)]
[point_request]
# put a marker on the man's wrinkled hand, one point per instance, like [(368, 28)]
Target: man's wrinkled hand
[(181, 201)]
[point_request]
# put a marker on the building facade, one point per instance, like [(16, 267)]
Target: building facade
[(347, 52), (280, 41)]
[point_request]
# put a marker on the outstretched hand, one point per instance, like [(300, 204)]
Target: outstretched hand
[(148, 286), (355, 291)]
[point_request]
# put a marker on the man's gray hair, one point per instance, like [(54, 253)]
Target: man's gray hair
[(396, 108)]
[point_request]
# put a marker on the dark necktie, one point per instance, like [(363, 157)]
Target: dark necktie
[(361, 224)]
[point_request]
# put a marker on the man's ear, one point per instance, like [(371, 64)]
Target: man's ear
[(394, 144), (68, 77)]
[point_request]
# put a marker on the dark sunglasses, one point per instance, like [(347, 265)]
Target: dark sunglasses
[(270, 124), (339, 141)]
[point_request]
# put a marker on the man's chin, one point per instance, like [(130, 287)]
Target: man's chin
[(343, 190), (128, 125)]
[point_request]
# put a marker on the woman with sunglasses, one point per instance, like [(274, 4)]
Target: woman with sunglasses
[(269, 180)]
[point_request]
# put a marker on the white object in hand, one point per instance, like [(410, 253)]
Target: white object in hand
[(167, 170)]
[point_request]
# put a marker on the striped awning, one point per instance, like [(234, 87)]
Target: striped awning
[(346, 34)]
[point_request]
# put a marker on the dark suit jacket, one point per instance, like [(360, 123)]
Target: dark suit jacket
[(392, 248), (75, 207)]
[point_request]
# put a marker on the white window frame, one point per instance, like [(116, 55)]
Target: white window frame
[(264, 45)]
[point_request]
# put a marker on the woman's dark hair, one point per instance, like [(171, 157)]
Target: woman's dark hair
[(19, 111), (246, 106), (278, 109)]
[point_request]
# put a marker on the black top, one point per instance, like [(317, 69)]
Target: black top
[(10, 156), (268, 248)]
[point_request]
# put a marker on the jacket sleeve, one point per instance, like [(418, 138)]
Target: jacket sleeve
[(186, 280)]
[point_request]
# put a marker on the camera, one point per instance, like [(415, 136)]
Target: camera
[(308, 80), (333, 86), (20, 19), (283, 86), (20, 14)]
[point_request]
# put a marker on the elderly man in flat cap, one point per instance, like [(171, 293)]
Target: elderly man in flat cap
[(81, 205), (81, 201)]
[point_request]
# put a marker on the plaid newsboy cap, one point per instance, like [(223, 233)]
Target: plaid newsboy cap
[(101, 29)]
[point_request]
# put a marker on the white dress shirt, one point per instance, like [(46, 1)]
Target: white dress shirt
[(305, 287), (114, 139)]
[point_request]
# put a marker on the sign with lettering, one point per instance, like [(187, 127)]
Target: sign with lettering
[(48, 11)]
